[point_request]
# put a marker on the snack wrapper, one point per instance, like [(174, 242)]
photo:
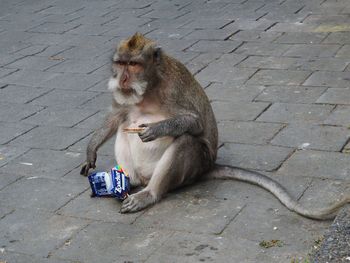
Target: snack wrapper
[(116, 183)]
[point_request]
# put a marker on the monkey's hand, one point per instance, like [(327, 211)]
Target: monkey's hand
[(151, 132), (90, 163)]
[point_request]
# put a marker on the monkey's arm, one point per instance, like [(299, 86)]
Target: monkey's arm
[(176, 126), (100, 136)]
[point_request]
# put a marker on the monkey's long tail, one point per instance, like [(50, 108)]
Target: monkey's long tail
[(239, 174)]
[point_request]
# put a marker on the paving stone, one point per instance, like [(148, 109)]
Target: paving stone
[(33, 233), (257, 157), (214, 46), (191, 211), (106, 149), (9, 131), (6, 59), (102, 209), (323, 193), (201, 61), (340, 116), (231, 76), (45, 194), (8, 153), (327, 64), (93, 122), (189, 247), (83, 53), (99, 102), (255, 36), (21, 94), (210, 34), (11, 112), (128, 239), (220, 92), (57, 28), (40, 162), (20, 257), (293, 27), (320, 164), (267, 62), (64, 98), (7, 179), (73, 81), (278, 77), (247, 132), (57, 138), (344, 52), (288, 112), (326, 138), (34, 63), (335, 96), (306, 50), (168, 33), (337, 38), (243, 111), (301, 38), (45, 39), (28, 78), (78, 66), (262, 49), (6, 71), (290, 94), (208, 22), (331, 79), (90, 29)]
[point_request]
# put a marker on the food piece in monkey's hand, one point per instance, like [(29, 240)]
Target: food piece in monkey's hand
[(133, 130), (116, 183)]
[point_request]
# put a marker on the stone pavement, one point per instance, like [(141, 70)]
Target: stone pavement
[(278, 76)]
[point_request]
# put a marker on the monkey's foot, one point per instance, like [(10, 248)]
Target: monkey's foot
[(137, 202)]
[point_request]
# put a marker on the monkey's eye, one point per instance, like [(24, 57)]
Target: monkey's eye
[(120, 63), (133, 63)]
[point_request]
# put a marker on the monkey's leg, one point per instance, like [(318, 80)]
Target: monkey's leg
[(180, 164)]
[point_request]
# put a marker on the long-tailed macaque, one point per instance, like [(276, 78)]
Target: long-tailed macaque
[(178, 141)]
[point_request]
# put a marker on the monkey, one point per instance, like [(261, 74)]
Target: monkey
[(178, 138)]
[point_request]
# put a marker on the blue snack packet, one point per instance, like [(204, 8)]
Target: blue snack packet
[(116, 183)]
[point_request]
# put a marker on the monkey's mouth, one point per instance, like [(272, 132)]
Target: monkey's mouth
[(127, 91)]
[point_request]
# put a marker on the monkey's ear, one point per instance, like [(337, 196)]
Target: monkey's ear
[(157, 54)]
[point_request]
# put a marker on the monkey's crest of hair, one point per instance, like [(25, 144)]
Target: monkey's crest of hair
[(135, 44)]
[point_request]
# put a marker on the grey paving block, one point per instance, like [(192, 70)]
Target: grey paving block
[(232, 76), (6, 59), (9, 131), (191, 211), (208, 22), (331, 79), (262, 49), (34, 63), (321, 193), (57, 28), (73, 81), (93, 122), (214, 46), (247, 132), (33, 233), (28, 78), (267, 62), (337, 38), (20, 257), (210, 34), (255, 36), (201, 61), (316, 63), (220, 92), (83, 53), (319, 164), (294, 27), (21, 94), (106, 149), (257, 157), (7, 179), (64, 98), (344, 52), (59, 117), (103, 209), (288, 112), (326, 138), (57, 138), (243, 111), (128, 239), (78, 66), (335, 96), (314, 50), (44, 194), (189, 247), (290, 94), (41, 162), (6, 71), (100, 102), (8, 153), (10, 112), (301, 38), (340, 116), (279, 77)]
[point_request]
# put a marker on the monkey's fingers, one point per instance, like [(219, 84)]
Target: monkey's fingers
[(147, 135), (86, 167)]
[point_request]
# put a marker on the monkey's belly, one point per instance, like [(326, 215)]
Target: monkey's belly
[(138, 158)]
